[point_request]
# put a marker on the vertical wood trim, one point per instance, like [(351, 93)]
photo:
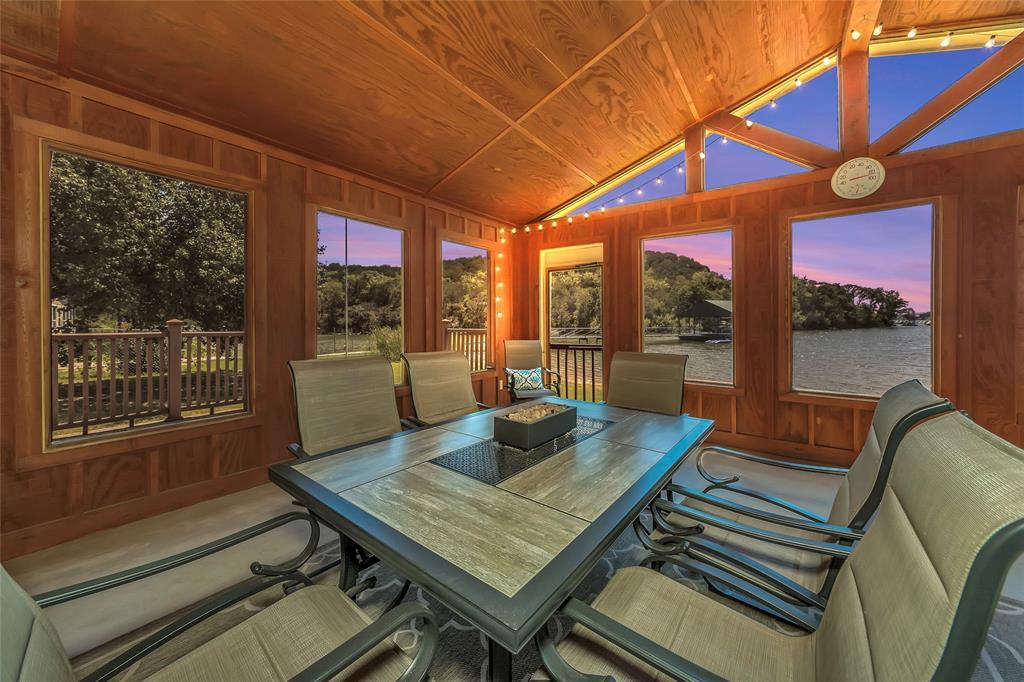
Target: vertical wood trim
[(66, 37), (693, 144), (853, 104)]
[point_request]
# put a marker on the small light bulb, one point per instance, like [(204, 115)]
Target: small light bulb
[(640, 192), (947, 40), (503, 240), (497, 268), (702, 155), (750, 124), (570, 219), (679, 169), (499, 313), (798, 82), (513, 230), (855, 34), (877, 31), (585, 215), (501, 284), (826, 60), (602, 209), (501, 255), (724, 140), (772, 104), (501, 230), (658, 181), (912, 33), (497, 299), (621, 200), (526, 229), (991, 42)]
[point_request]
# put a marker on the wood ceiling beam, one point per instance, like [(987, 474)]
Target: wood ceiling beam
[(774, 141), (385, 31), (693, 143), (977, 80), (66, 36), (677, 73), (853, 77), (517, 124)]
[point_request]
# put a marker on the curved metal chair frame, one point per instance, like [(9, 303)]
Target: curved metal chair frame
[(264, 576)]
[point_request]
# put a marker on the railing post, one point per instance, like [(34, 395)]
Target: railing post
[(174, 369)]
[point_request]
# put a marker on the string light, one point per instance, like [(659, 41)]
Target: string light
[(501, 255), (501, 284), (622, 200), (503, 240), (658, 181), (526, 229), (947, 40), (701, 155), (912, 33), (602, 209), (991, 42), (772, 104), (724, 140), (501, 230), (826, 60), (640, 192), (513, 230), (877, 31), (497, 299), (679, 170), (798, 82), (570, 219), (855, 34), (749, 123), (499, 313), (586, 216)]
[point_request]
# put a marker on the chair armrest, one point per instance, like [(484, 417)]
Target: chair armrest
[(327, 667), (783, 464), (649, 651), (411, 423), (297, 451), (816, 546), (206, 608), (482, 406), (788, 521), (89, 587)]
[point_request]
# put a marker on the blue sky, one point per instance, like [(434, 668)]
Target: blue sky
[(368, 244)]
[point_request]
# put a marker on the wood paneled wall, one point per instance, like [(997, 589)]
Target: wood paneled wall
[(53, 496), (979, 282)]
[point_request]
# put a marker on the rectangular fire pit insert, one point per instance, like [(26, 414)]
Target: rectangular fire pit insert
[(531, 426)]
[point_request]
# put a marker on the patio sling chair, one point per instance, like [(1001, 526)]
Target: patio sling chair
[(524, 356), (788, 554), (913, 602), (652, 382), (441, 386), (341, 402), (314, 633)]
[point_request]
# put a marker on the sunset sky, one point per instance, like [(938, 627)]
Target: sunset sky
[(891, 249)]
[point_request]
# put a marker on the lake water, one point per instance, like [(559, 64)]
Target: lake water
[(859, 361)]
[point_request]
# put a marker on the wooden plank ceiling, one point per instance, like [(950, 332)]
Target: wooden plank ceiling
[(505, 108)]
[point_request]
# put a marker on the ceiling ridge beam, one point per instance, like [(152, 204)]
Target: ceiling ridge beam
[(947, 102), (355, 10), (765, 138), (854, 137)]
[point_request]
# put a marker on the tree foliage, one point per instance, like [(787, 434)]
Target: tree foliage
[(830, 305), (575, 299), (132, 250), (373, 294), (674, 284), (464, 292)]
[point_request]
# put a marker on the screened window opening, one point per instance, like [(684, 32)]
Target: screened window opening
[(729, 162), (661, 181), (862, 301), (810, 111), (147, 294), (688, 306), (359, 290), (465, 301)]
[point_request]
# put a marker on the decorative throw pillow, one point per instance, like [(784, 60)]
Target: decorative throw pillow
[(526, 379)]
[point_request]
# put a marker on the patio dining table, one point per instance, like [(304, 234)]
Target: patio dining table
[(498, 535)]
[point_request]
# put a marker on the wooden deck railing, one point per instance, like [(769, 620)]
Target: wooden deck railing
[(128, 377), (472, 342), (581, 367)]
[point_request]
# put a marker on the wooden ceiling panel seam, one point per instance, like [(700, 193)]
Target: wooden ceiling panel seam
[(676, 71)]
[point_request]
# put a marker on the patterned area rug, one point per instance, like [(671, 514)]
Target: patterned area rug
[(462, 654)]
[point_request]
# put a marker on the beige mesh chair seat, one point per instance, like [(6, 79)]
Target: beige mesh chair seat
[(441, 386), (913, 602), (528, 354), (343, 401), (651, 382), (279, 643)]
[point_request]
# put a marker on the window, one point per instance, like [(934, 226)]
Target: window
[(810, 111), (147, 298), (862, 301), (664, 179), (899, 84), (999, 109), (359, 289), (729, 162), (465, 301), (688, 301)]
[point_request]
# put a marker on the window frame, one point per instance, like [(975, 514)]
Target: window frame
[(943, 295), (733, 227), (95, 445), (312, 298), (492, 249)]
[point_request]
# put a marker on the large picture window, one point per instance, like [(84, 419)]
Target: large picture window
[(862, 301), (359, 289), (688, 302), (465, 301), (147, 298)]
